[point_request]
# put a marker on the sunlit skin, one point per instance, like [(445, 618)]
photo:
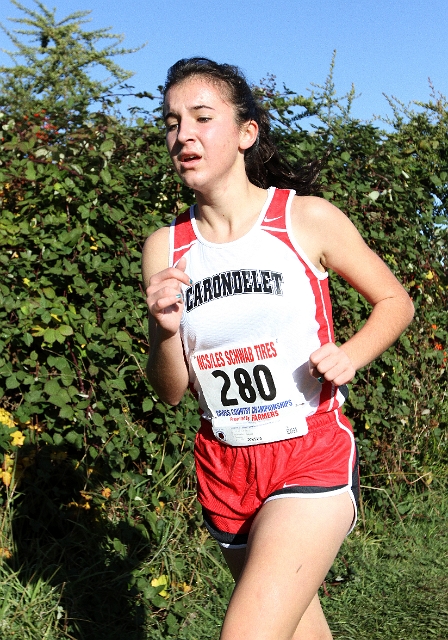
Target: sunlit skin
[(205, 143)]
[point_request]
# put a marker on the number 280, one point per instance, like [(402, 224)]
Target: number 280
[(263, 381)]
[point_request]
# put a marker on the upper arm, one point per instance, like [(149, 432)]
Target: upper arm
[(155, 255), (155, 258), (334, 241)]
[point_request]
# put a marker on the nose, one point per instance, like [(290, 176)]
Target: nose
[(185, 131)]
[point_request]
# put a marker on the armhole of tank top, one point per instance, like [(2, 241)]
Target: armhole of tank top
[(172, 237), (321, 275)]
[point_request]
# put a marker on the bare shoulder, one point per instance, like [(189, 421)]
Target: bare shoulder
[(155, 255), (315, 222), (327, 234), (311, 211)]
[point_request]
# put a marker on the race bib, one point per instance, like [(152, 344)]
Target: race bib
[(250, 393)]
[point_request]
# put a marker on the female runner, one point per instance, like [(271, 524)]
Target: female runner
[(239, 310)]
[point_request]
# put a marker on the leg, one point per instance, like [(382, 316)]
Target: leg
[(292, 544), (312, 625)]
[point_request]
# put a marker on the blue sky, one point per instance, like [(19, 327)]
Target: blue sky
[(389, 46)]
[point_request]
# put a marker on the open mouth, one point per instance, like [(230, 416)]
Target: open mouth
[(189, 158)]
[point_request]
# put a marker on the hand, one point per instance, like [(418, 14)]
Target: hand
[(332, 363), (164, 296)]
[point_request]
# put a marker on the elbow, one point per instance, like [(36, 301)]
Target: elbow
[(167, 391), (173, 403), (170, 398)]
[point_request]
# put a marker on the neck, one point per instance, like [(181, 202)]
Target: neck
[(228, 213)]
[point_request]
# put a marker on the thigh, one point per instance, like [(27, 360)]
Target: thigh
[(291, 546), (312, 625)]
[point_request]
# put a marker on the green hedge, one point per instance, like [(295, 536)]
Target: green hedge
[(78, 200)]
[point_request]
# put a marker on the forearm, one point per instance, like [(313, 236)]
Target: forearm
[(389, 318), (166, 368)]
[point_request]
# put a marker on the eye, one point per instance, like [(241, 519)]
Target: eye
[(203, 119), (171, 126)]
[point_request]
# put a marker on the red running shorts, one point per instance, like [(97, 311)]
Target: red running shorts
[(234, 482)]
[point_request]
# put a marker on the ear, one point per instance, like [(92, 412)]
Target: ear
[(248, 134)]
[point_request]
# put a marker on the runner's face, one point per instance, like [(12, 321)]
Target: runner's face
[(205, 143)]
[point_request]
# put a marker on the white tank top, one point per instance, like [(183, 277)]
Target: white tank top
[(255, 312)]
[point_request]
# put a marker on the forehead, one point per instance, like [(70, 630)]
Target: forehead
[(195, 91)]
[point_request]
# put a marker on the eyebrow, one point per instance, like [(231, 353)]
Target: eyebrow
[(171, 114)]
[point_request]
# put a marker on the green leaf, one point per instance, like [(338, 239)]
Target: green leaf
[(98, 419), (119, 546), (49, 292), (116, 214), (30, 173), (93, 453), (52, 387), (122, 336), (71, 437), (159, 602), (57, 438), (66, 412), (65, 330), (134, 453), (46, 437), (107, 145), (27, 339), (105, 176), (49, 335), (61, 399), (12, 382), (118, 383)]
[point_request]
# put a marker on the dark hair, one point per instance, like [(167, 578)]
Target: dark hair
[(265, 166)]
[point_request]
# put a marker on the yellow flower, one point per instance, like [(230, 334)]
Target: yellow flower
[(6, 418), (106, 492), (26, 281), (367, 426), (6, 478), (17, 439), (159, 509), (5, 553), (429, 275), (183, 586), (159, 582), (35, 427)]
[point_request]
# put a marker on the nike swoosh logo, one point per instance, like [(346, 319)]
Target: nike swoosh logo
[(272, 219), (285, 486)]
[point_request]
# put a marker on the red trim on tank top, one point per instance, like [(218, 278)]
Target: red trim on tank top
[(184, 236), (275, 223)]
